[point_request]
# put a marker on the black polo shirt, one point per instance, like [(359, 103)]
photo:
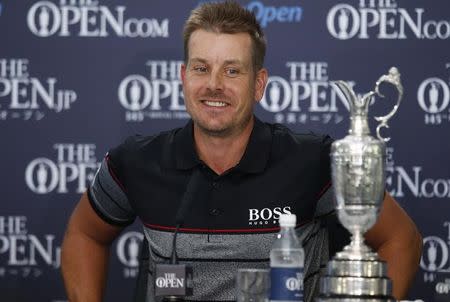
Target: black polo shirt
[(233, 218)]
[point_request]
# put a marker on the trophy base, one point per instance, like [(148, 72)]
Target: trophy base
[(357, 268), (349, 280)]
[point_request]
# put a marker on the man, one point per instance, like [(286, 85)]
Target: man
[(250, 172)]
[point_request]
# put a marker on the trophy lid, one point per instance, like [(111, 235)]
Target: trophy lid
[(288, 220)]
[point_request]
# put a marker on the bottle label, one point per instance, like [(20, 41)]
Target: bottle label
[(286, 284)]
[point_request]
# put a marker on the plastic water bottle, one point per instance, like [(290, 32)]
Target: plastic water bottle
[(287, 260)]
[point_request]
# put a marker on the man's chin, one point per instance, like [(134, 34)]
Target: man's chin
[(223, 129), (213, 129), (218, 131)]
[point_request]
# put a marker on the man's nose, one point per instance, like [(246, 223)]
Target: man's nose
[(216, 80)]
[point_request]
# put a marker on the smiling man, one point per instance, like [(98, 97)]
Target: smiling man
[(221, 85), (249, 173)]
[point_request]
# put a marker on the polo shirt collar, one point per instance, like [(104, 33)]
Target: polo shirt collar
[(185, 155), (258, 148), (254, 159)]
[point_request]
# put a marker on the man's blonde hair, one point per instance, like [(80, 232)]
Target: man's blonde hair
[(227, 17)]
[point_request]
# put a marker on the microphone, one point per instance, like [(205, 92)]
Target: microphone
[(186, 201), (174, 281)]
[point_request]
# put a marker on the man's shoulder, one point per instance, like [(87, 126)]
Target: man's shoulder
[(139, 141), (136, 146), (287, 138)]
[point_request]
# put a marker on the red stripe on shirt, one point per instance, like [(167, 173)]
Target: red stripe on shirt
[(198, 230)]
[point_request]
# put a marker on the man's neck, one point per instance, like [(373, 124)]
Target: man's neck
[(222, 153)]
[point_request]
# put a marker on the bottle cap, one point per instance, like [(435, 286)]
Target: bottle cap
[(288, 220)]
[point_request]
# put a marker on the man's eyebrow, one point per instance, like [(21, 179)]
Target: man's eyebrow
[(198, 60), (234, 61), (226, 62)]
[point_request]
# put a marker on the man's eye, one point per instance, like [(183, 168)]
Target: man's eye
[(232, 71), (200, 69)]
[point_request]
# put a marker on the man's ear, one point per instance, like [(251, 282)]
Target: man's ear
[(183, 72), (260, 84)]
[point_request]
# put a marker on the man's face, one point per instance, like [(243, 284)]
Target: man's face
[(219, 83)]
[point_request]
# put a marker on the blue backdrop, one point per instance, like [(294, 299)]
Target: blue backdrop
[(77, 76)]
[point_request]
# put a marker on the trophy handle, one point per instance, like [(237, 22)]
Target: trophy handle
[(348, 92), (393, 78)]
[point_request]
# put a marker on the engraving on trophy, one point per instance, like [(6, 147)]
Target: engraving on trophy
[(358, 175)]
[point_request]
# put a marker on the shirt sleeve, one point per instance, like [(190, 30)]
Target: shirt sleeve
[(107, 196)]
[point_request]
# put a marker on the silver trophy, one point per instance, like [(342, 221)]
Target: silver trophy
[(358, 172)]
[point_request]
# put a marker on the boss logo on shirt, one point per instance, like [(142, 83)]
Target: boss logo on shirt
[(267, 215)]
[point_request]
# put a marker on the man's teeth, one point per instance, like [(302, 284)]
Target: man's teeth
[(215, 104)]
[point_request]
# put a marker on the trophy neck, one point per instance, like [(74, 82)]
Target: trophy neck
[(357, 249), (359, 125)]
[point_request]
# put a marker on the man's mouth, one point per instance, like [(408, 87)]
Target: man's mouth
[(215, 103)]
